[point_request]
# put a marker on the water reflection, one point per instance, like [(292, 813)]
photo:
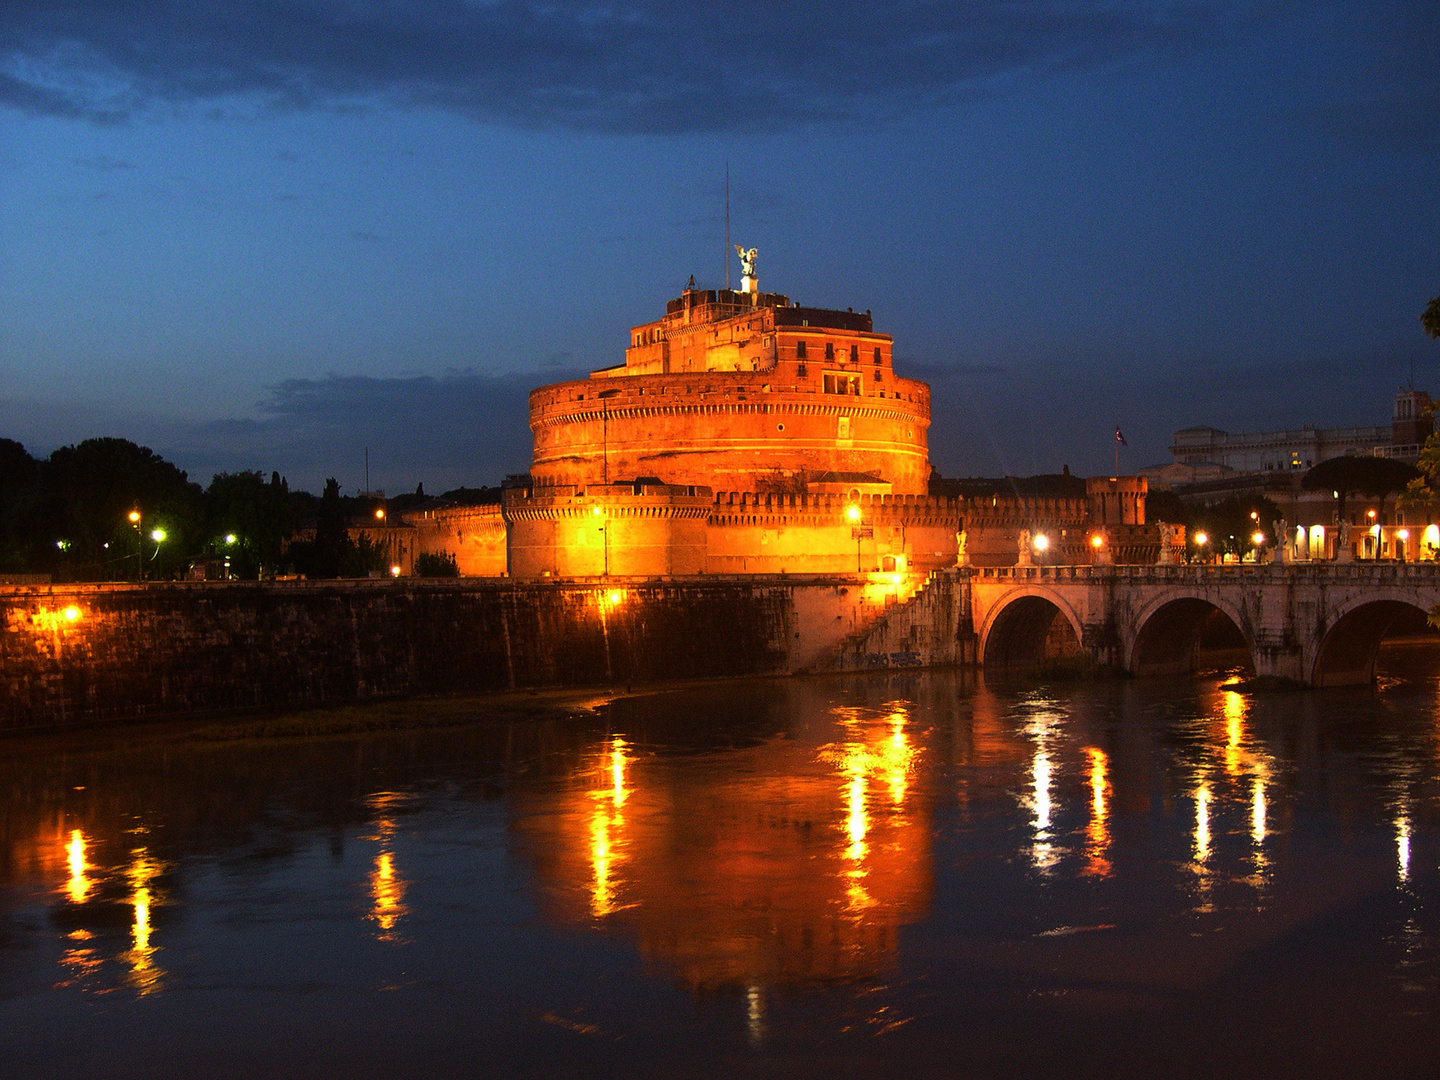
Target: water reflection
[(387, 887), (144, 972), (1402, 846), (1042, 726), (1097, 833), (78, 886), (606, 825), (864, 853), (794, 861)]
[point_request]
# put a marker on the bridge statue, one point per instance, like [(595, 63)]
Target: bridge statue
[(962, 538), (1024, 543)]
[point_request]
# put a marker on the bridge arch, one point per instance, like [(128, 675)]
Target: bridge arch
[(1346, 652), (1174, 633), (1027, 627)]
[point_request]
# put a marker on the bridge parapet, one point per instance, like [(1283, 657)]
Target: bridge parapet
[(1420, 573), (1318, 624)]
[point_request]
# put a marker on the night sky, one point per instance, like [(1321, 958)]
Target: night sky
[(267, 235)]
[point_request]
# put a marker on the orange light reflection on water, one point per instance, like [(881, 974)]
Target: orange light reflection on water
[(891, 759), (78, 885), (606, 822), (1097, 834), (145, 974), (387, 885)]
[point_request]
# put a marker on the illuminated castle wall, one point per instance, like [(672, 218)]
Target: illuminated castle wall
[(739, 392), (745, 434)]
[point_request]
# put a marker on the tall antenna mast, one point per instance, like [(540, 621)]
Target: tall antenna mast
[(727, 226)]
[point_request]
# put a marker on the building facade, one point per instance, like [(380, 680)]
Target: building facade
[(1205, 453)]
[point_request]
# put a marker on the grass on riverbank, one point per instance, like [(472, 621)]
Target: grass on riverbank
[(408, 714)]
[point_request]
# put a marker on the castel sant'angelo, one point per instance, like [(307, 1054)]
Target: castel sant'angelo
[(748, 434)]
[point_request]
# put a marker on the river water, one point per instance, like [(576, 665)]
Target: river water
[(922, 875)]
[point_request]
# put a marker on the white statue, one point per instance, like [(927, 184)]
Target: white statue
[(1026, 559), (747, 261), (962, 539)]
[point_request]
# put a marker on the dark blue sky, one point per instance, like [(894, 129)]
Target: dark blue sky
[(265, 235)]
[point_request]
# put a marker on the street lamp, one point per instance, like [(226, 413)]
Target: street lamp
[(380, 514), (230, 538), (158, 535), (857, 533), (134, 517)]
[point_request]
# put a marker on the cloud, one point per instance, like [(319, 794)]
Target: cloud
[(628, 65)]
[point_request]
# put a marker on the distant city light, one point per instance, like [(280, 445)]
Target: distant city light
[(596, 511), (615, 596), (134, 516), (380, 514), (72, 614)]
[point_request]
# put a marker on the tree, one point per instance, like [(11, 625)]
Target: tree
[(1374, 476), (1421, 490), (74, 517), (17, 474), (332, 539), (258, 514), (1430, 318)]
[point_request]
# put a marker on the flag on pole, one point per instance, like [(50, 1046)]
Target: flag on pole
[(1119, 438)]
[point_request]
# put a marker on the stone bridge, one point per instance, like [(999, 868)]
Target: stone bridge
[(1318, 624)]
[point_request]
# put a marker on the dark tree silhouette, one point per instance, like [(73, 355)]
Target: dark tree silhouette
[(1430, 318), (1375, 476)]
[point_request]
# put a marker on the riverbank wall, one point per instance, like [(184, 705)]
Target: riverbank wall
[(84, 654)]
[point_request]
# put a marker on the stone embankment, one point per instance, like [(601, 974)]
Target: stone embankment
[(82, 654)]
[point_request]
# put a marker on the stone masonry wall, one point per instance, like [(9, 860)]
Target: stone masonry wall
[(88, 653)]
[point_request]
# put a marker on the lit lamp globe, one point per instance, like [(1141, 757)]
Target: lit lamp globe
[(1258, 539), (157, 535), (1041, 542), (853, 513)]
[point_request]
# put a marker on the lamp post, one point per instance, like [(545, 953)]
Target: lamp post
[(852, 514), (604, 536), (134, 517), (1200, 541)]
